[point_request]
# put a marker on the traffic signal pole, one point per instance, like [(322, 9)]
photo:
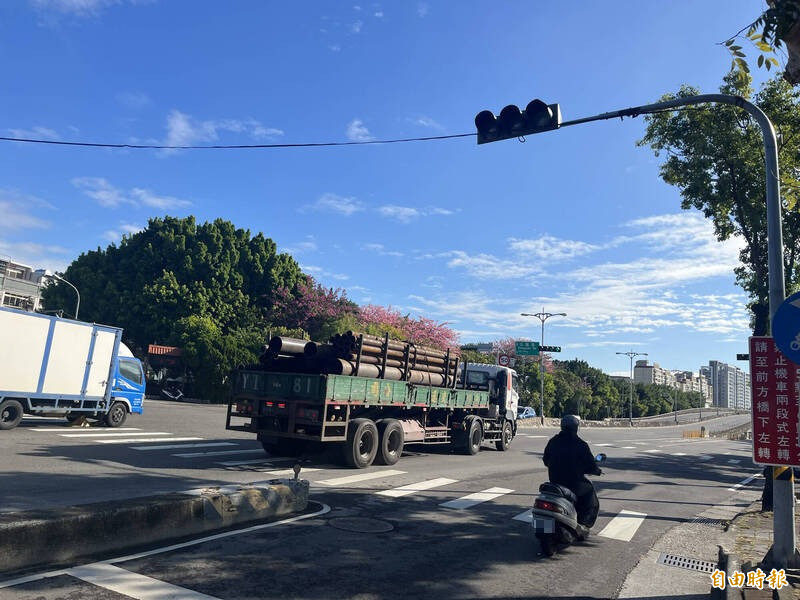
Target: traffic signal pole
[(513, 124)]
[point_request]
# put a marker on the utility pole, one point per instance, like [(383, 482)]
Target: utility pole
[(631, 355), (542, 316)]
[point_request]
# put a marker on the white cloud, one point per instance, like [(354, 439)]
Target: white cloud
[(380, 250), (334, 48), (379, 14), (550, 248), (333, 203), (183, 130), (134, 100), (318, 272), (356, 27), (406, 214), (38, 133), (15, 211), (358, 132), (422, 10), (109, 196), (301, 247), (38, 256), (115, 235), (79, 8), (486, 266), (426, 122)]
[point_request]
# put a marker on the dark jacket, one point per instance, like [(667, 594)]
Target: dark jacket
[(568, 458)]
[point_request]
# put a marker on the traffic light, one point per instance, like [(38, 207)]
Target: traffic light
[(742, 357), (512, 122), (550, 348)]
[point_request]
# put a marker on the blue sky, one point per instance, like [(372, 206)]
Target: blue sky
[(574, 221)]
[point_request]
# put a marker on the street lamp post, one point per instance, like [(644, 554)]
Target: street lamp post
[(542, 316), (631, 355), (78, 305)]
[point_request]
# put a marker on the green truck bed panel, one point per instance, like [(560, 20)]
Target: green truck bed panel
[(343, 389)]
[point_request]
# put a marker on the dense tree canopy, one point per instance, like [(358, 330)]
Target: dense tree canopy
[(714, 155)]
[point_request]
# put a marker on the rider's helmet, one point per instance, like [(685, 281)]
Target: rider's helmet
[(570, 423)]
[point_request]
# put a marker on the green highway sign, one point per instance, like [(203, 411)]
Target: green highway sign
[(551, 348), (526, 348)]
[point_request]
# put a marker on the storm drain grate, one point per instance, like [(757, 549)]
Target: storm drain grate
[(693, 564), (709, 521)]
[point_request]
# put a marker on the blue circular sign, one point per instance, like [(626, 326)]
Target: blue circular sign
[(786, 328)]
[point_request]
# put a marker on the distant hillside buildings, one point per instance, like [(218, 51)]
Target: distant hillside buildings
[(20, 285), (721, 385)]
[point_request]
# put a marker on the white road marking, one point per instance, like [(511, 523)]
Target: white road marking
[(743, 483), (287, 472), (179, 446), (255, 461), (134, 585), (705, 457), (679, 454), (70, 428), (652, 450), (735, 461), (219, 453), (525, 517), (421, 486), (603, 445), (623, 526), (476, 498), (361, 477), (171, 548), (628, 447), (140, 440), (535, 436), (91, 434)]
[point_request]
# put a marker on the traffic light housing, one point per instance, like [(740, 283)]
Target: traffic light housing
[(511, 122), (550, 348)]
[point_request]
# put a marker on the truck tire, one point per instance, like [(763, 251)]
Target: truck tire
[(116, 415), (474, 436), (10, 413), (392, 438), (362, 443), (505, 437)]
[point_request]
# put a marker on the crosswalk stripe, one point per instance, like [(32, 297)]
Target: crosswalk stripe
[(476, 498), (218, 453), (743, 483), (68, 428), (535, 436), (623, 526), (141, 441), (133, 584), (360, 477), (525, 517), (652, 450), (179, 446), (421, 486), (287, 472), (679, 454), (91, 434), (603, 445), (628, 447)]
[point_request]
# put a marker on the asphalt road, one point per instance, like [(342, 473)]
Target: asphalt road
[(388, 532)]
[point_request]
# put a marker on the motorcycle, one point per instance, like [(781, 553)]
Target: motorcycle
[(555, 519)]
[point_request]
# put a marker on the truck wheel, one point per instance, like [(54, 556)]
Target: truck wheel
[(10, 413), (392, 439), (474, 437), (362, 443), (505, 437), (116, 415)]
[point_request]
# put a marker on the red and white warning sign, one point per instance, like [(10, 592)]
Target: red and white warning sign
[(503, 360), (775, 386)]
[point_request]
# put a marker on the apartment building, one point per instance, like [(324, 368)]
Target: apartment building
[(731, 385), (20, 285), (685, 381)]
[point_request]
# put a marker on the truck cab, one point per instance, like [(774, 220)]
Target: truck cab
[(128, 384), (502, 384)]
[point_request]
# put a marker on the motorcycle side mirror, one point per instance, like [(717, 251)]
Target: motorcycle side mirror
[(600, 458)]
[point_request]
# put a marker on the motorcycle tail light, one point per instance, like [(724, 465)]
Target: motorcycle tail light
[(546, 505)]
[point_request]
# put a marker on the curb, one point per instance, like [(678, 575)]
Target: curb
[(49, 537)]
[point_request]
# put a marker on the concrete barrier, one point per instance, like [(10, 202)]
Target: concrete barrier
[(45, 538)]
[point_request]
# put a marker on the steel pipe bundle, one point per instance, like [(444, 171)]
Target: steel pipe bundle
[(364, 356)]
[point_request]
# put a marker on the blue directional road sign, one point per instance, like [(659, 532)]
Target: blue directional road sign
[(786, 328)]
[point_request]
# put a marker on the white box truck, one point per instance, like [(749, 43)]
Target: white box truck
[(51, 366)]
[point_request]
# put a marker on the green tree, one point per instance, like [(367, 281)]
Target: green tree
[(714, 155), (207, 288)]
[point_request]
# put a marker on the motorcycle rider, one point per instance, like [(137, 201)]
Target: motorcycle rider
[(568, 460)]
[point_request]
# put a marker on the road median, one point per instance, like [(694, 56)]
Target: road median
[(44, 538)]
